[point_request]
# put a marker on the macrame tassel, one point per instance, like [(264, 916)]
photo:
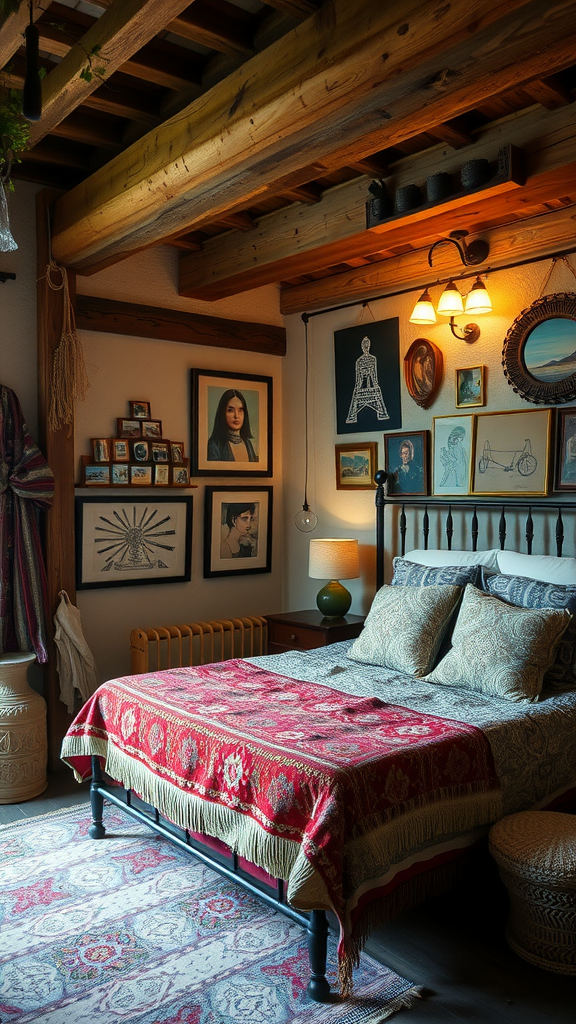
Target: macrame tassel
[(69, 378)]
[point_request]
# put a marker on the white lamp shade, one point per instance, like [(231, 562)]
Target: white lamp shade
[(334, 559), (450, 302), (478, 299), (423, 312)]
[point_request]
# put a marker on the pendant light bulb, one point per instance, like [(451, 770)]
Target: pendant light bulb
[(306, 520), (32, 88)]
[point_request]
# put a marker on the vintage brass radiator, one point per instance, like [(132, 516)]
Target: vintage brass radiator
[(197, 643)]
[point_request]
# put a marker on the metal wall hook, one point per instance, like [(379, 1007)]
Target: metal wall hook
[(471, 255)]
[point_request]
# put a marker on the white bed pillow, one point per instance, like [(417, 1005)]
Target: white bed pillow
[(439, 557), (546, 568)]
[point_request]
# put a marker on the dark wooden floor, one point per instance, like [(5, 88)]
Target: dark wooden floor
[(454, 946)]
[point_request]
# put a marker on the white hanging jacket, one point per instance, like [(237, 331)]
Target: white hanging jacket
[(74, 660)]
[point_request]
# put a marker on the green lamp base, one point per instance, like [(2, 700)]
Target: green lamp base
[(333, 600)]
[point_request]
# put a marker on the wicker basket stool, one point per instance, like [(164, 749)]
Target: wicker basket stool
[(536, 854)]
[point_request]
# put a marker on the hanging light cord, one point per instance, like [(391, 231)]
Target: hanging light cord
[(305, 319)]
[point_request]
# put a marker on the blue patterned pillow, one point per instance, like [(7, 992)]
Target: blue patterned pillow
[(410, 574), (528, 593)]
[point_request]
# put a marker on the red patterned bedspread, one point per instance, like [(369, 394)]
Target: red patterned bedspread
[(283, 770)]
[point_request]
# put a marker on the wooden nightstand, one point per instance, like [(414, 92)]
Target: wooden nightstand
[(302, 631)]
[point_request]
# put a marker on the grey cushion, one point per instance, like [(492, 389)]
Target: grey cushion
[(531, 593), (500, 650), (410, 574), (405, 626)]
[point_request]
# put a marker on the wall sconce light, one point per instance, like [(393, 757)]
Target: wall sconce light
[(452, 303)]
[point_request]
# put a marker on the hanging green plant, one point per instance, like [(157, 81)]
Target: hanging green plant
[(14, 132)]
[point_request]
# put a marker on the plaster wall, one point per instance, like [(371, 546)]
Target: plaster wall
[(351, 514)]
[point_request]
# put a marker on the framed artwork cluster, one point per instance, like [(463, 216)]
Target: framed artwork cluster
[(137, 457)]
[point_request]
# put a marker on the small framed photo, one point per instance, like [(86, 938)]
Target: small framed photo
[(101, 449), (128, 428), (141, 476), (511, 452), (356, 465), (126, 541), (120, 475), (231, 424), (120, 450), (160, 451), (177, 451), (94, 474), (140, 410), (162, 475), (406, 462), (237, 531), (565, 450), (470, 386), (151, 428), (452, 454), (181, 475), (140, 451)]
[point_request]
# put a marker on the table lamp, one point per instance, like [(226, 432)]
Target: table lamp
[(334, 559)]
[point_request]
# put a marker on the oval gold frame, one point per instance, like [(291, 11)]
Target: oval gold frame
[(561, 305)]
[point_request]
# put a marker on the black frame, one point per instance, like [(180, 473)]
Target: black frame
[(200, 432), (561, 305), (149, 503), (244, 568)]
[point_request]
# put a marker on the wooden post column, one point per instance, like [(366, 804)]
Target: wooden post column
[(58, 447)]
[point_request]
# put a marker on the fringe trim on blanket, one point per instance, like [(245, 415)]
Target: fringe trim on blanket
[(359, 1010), (243, 835)]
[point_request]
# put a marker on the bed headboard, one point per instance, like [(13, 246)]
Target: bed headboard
[(471, 509)]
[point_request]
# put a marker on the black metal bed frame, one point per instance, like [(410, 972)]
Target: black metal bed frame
[(316, 922)]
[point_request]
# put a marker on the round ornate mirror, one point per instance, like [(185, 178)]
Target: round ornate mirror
[(539, 354)]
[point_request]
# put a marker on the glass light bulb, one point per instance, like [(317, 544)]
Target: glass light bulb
[(477, 299), (305, 520)]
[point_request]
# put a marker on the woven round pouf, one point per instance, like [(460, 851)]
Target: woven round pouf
[(536, 854)]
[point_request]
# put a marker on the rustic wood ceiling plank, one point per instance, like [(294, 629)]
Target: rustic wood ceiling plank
[(299, 240), (319, 98), (125, 27), (12, 28), (219, 26), (539, 236), (299, 9)]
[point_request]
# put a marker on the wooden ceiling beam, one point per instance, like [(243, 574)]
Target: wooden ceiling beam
[(450, 135), (112, 317), (12, 28), (299, 9), (539, 236), (220, 26), (91, 131), (550, 92), (124, 28), (316, 100), (302, 240), (304, 194)]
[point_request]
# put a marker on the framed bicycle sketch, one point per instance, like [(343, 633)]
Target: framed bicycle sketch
[(511, 452)]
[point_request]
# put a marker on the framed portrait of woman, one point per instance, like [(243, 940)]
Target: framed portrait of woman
[(423, 371), (237, 531), (406, 462), (231, 424)]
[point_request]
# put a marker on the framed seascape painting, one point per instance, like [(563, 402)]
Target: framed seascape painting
[(367, 367), (566, 450), (511, 452), (125, 541), (231, 424), (356, 465), (406, 462), (452, 454), (237, 531)]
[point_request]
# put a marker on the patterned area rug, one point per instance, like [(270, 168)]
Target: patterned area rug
[(131, 930)]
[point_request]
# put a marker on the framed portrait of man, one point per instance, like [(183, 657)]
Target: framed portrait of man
[(406, 462), (231, 424)]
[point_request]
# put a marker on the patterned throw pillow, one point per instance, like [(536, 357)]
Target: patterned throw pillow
[(500, 650), (410, 574), (531, 593), (405, 626)]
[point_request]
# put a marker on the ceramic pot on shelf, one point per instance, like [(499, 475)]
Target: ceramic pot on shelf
[(23, 736)]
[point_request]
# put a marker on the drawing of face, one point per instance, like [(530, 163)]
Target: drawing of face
[(456, 436), (405, 454), (243, 523), (234, 415)]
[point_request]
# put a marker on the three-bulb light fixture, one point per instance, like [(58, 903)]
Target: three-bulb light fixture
[(451, 302)]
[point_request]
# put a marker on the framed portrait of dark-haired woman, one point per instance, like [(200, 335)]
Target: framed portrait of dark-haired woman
[(237, 531), (231, 424)]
